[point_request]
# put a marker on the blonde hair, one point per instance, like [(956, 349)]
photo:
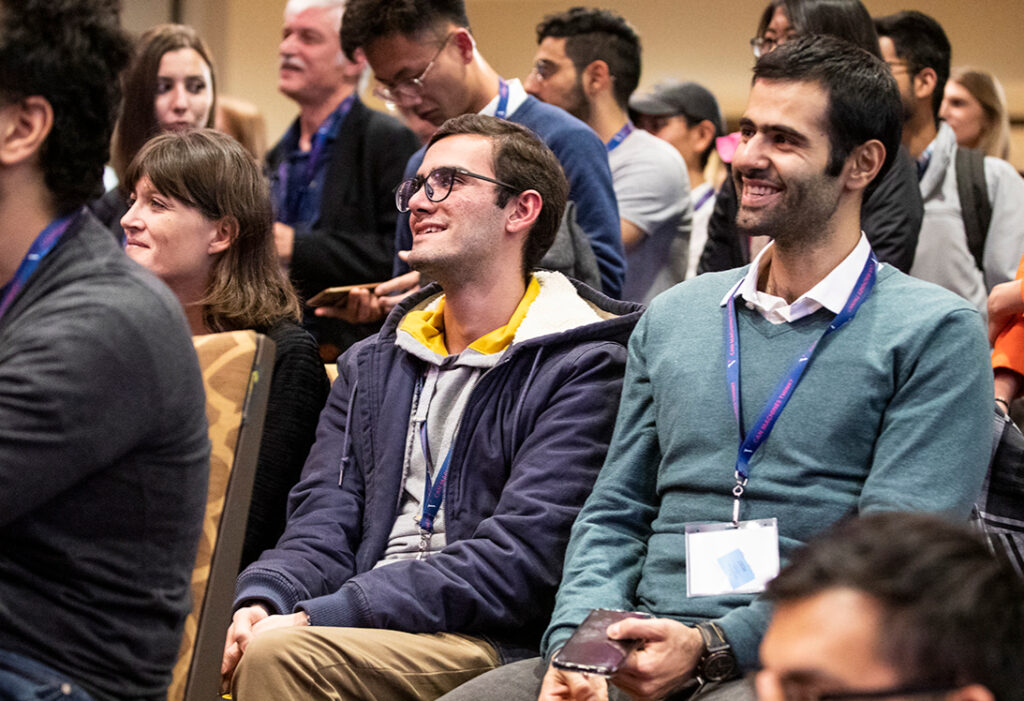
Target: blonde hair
[(986, 89)]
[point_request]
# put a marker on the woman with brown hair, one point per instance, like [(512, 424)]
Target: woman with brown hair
[(169, 85), (974, 105), (201, 220)]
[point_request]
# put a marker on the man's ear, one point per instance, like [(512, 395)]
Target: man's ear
[(464, 42), (354, 69), (525, 210), (24, 126), (703, 134), (924, 83), (863, 164), (596, 78), (225, 233)]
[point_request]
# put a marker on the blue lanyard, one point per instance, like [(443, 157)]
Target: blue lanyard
[(39, 249), (502, 110), (620, 136), (433, 493), (753, 440), (708, 194), (291, 206)]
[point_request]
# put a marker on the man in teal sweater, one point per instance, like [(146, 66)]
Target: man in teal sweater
[(770, 401)]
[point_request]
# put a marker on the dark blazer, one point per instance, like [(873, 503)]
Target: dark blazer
[(353, 240)]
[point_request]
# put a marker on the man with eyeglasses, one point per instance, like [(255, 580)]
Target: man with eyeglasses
[(425, 541), (893, 607), (763, 404), (425, 58), (333, 171), (955, 183), (588, 63)]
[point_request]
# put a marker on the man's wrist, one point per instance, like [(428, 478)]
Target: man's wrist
[(717, 661)]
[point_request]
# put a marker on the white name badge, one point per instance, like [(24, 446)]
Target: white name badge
[(725, 559)]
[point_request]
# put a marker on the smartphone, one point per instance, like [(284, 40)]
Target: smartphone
[(591, 650), (335, 296)]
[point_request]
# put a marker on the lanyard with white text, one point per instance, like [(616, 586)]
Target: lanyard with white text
[(43, 244), (620, 136), (502, 110), (753, 440)]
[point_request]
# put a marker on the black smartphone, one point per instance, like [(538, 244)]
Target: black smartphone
[(591, 650)]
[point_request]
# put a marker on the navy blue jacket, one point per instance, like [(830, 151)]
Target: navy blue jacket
[(532, 438)]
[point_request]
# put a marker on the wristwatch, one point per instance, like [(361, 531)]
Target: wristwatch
[(718, 663)]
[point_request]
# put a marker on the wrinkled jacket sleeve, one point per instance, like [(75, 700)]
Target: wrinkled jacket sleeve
[(504, 574), (316, 553)]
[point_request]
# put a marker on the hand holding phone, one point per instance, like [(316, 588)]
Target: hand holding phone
[(590, 649)]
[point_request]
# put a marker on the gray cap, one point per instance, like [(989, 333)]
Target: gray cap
[(674, 97)]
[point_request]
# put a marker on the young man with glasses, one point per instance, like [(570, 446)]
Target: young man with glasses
[(969, 260), (425, 59), (333, 171), (891, 607), (425, 542)]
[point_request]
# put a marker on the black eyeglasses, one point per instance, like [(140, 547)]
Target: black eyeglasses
[(437, 185), (408, 92)]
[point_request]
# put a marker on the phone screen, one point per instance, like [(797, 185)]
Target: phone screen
[(591, 650)]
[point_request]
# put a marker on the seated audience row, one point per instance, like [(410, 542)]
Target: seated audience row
[(513, 448), (634, 545)]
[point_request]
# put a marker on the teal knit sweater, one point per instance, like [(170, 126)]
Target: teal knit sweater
[(894, 412)]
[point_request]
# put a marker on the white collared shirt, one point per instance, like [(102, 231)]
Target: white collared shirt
[(831, 292), (516, 98)]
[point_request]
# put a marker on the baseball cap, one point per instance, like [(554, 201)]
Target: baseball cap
[(674, 97)]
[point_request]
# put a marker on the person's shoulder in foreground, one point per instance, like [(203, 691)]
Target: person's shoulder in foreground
[(916, 606), (103, 443)]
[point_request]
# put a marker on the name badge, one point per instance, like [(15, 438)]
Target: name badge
[(722, 558)]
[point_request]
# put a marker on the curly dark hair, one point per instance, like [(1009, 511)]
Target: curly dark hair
[(598, 35), (69, 52), (365, 21), (523, 161)]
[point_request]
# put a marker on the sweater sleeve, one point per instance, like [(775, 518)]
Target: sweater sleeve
[(938, 422), (585, 162), (502, 578), (606, 551)]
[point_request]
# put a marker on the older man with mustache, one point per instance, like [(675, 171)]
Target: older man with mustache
[(333, 171)]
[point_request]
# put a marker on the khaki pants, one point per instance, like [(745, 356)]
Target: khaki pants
[(357, 664)]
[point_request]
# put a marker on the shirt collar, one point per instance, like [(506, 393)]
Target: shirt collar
[(516, 97), (831, 292)]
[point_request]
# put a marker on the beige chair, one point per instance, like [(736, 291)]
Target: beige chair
[(236, 366)]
